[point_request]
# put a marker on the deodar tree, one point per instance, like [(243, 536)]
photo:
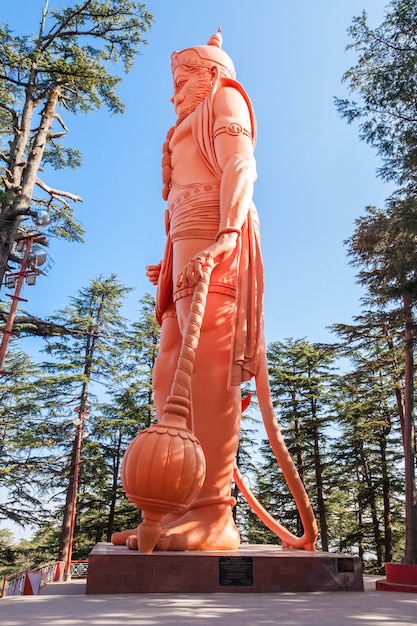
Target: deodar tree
[(384, 245), (65, 69), (384, 79)]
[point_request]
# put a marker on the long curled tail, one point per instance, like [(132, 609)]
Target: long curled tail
[(308, 539)]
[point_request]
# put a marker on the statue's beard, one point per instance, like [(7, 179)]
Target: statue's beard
[(195, 96)]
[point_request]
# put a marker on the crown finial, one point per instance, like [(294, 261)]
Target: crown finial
[(216, 39)]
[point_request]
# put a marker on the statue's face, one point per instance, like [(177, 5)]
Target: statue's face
[(191, 86)]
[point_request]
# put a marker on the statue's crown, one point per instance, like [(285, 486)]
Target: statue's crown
[(205, 56)]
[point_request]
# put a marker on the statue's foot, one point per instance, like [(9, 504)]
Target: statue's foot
[(119, 539), (128, 537), (132, 542), (206, 527)]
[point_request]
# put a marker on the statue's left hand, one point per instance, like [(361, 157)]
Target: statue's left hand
[(152, 272)]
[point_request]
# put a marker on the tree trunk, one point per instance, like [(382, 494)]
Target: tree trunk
[(386, 497), (299, 463), (68, 522), (9, 224), (396, 377), (359, 515), (321, 509), (410, 556), (115, 478), (64, 540), (22, 176), (374, 513)]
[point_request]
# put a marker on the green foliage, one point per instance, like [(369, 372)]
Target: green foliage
[(97, 355), (76, 48), (24, 461), (8, 555), (384, 249), (247, 459), (301, 386), (6, 197), (384, 79), (383, 246), (73, 66), (103, 507)]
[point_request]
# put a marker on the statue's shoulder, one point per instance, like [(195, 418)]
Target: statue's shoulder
[(229, 85), (233, 94)]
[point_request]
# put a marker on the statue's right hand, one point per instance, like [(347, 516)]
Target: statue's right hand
[(152, 272)]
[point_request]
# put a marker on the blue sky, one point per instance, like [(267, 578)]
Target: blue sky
[(314, 175)]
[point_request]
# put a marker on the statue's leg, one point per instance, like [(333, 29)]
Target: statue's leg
[(163, 374), (166, 362), (209, 524)]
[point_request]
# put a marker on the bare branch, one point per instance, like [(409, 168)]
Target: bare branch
[(48, 39), (58, 194), (56, 135), (36, 326), (60, 120)]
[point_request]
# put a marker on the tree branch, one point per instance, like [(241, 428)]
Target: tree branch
[(12, 112), (58, 194)]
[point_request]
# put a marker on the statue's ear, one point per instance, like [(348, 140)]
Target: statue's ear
[(214, 73)]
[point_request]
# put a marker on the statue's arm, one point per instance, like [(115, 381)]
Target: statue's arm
[(234, 153)]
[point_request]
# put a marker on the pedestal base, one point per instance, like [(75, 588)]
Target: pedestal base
[(251, 569), (400, 577)]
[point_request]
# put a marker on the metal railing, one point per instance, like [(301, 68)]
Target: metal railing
[(29, 582), (79, 569), (14, 585)]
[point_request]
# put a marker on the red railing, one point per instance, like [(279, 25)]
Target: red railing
[(29, 582)]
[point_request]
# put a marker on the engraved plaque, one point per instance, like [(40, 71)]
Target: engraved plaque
[(345, 564), (235, 571)]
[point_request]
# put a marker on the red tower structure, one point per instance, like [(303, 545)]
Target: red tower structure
[(28, 272)]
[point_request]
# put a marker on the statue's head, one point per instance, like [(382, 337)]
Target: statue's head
[(195, 71), (208, 56)]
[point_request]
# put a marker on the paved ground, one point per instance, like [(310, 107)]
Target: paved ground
[(65, 604)]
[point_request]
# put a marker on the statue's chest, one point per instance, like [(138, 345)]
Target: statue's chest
[(186, 162)]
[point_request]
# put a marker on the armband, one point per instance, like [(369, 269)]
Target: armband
[(233, 129)]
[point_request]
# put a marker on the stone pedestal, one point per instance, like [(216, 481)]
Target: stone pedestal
[(251, 569), (399, 577)]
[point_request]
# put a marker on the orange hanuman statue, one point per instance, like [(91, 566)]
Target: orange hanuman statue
[(208, 174)]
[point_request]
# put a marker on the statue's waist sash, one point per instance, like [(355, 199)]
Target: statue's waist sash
[(195, 212)]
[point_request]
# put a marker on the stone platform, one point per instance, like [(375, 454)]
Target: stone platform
[(251, 569), (400, 577)]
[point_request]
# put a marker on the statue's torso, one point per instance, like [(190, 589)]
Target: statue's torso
[(187, 164)]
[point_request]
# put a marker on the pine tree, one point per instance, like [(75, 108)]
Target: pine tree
[(366, 457), (129, 409), (383, 248), (384, 243), (301, 375), (24, 459), (64, 69), (85, 358), (371, 400), (384, 80), (246, 461)]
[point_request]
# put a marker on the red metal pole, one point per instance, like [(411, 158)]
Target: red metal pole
[(7, 331)]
